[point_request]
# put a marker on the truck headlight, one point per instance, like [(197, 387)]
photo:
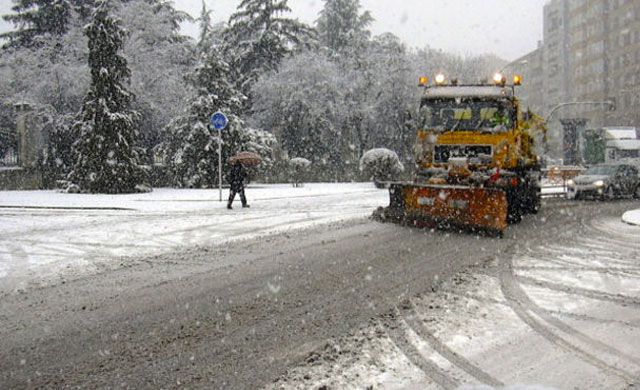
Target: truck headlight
[(599, 183), (571, 182)]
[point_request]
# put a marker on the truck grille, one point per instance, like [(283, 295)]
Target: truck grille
[(444, 152)]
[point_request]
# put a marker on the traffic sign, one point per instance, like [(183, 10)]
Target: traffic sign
[(219, 120)]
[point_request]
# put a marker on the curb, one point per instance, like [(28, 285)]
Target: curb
[(67, 208)]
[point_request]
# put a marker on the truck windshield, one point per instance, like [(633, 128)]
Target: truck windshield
[(459, 114)]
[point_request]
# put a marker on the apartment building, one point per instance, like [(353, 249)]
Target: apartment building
[(590, 54), (556, 56), (531, 68), (621, 60)]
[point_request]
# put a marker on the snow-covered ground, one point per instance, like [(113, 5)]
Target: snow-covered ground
[(632, 217), (47, 234), (561, 314)]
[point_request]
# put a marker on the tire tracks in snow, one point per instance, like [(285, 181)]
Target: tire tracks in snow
[(613, 271), (523, 307), (619, 299), (431, 370), (412, 320)]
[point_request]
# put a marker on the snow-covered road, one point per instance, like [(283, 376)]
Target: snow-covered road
[(348, 305), (46, 236), (560, 313)]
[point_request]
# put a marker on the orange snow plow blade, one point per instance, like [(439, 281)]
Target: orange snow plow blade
[(448, 205)]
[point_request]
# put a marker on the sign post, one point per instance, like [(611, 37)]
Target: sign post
[(219, 122)]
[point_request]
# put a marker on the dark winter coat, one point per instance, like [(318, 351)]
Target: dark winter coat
[(237, 177)]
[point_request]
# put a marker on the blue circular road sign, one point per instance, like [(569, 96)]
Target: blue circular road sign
[(219, 120)]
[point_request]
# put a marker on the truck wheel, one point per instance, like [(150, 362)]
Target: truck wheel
[(514, 214)]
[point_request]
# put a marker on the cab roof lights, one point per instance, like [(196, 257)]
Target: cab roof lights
[(498, 80)]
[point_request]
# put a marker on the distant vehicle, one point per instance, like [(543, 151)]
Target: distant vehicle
[(606, 181)]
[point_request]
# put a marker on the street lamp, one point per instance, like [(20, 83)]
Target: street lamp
[(610, 103)]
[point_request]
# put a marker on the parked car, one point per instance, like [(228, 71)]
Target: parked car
[(606, 181)]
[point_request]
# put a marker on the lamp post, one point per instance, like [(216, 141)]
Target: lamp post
[(577, 123)]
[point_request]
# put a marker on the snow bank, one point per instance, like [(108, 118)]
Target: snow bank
[(632, 217)]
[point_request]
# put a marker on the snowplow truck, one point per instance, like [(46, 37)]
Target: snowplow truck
[(476, 166)]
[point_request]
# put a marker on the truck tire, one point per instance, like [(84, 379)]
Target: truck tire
[(515, 211)]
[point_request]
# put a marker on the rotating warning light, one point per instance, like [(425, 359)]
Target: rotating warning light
[(424, 81), (517, 80)]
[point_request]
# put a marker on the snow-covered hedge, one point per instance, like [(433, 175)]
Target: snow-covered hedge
[(381, 165), (299, 167)]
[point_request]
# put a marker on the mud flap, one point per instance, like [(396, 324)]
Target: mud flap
[(456, 206)]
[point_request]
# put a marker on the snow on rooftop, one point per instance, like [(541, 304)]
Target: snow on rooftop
[(620, 132), (624, 144), (468, 91)]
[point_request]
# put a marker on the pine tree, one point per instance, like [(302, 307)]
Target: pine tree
[(205, 27), (259, 38), (106, 157), (342, 28), (37, 18), (193, 149)]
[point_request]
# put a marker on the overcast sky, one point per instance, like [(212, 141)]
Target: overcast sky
[(508, 28)]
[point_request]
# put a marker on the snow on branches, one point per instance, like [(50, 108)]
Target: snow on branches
[(381, 165), (105, 154)]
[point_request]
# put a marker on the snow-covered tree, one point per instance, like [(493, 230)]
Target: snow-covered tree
[(192, 149), (204, 22), (263, 144), (259, 37), (343, 28), (299, 167), (305, 116), (392, 94), (106, 157), (54, 72), (210, 35), (381, 165), (159, 57), (38, 18)]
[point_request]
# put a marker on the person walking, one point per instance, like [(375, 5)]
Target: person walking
[(237, 178)]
